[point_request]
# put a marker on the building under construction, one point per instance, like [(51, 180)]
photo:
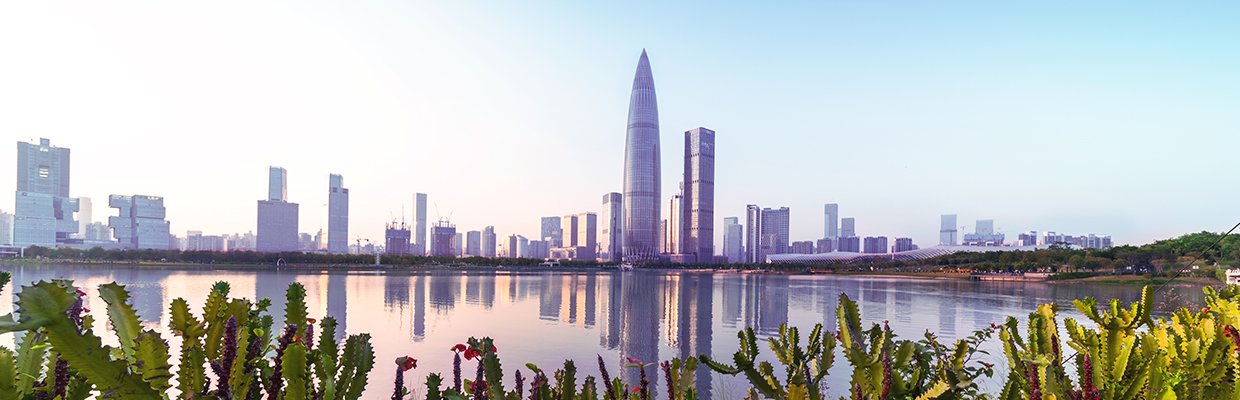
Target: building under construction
[(398, 235)]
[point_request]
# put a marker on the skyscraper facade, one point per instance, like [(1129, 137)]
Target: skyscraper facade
[(875, 245), (733, 239), (831, 216), (753, 234), (551, 231), (473, 243), (675, 224), (140, 222), (903, 244), (6, 229), (947, 230), (338, 217), (419, 224), (775, 222), (699, 194), (848, 227), (443, 239), (642, 183), (569, 231), (277, 217), (396, 239), (609, 228), (488, 241), (587, 235), (85, 215), (43, 212)]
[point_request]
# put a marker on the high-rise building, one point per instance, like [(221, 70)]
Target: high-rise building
[(775, 222), (850, 244), (140, 222), (984, 235), (569, 231), (540, 249), (848, 227), (473, 243), (984, 227), (875, 245), (802, 247), (443, 238), (277, 217), (587, 235), (277, 184), (85, 216), (514, 244), (488, 241), (6, 229), (642, 172), (903, 244), (947, 230), (831, 216), (699, 194), (458, 246), (825, 245), (419, 224), (396, 239), (43, 212), (338, 218), (609, 228), (1027, 239), (753, 234), (552, 231), (675, 224), (733, 239)]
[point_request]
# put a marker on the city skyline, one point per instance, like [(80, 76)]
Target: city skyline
[(1050, 131)]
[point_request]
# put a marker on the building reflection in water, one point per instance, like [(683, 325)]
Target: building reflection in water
[(337, 303), (443, 288), (419, 308), (550, 292), (696, 312), (639, 325), (273, 284)]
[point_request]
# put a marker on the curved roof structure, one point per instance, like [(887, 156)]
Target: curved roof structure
[(919, 254)]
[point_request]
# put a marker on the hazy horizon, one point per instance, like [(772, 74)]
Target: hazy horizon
[(1073, 118)]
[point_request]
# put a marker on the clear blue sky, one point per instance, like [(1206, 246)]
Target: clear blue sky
[(1109, 118)]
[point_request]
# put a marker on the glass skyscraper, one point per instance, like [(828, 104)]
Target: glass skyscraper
[(699, 194), (277, 218), (43, 212), (337, 215), (140, 223), (642, 189)]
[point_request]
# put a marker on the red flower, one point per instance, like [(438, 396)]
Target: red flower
[(459, 347), (632, 360), (1205, 310), (636, 389), (471, 353), (311, 320), (406, 363), (80, 292), (493, 349)]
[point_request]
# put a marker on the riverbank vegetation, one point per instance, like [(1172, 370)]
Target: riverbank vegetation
[(1117, 353)]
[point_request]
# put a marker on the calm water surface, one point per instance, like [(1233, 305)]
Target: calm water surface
[(547, 317)]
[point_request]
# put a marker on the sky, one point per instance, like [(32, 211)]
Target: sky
[(1099, 117)]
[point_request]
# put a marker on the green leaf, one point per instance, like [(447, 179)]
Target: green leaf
[(124, 319), (360, 358), (31, 353), (295, 312), (8, 369), (151, 355), (293, 369)]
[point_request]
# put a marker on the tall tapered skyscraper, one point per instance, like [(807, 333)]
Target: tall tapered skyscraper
[(641, 169)]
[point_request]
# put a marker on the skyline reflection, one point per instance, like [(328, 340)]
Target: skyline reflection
[(546, 317)]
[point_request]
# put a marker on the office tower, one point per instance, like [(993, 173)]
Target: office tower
[(947, 230), (443, 236), (277, 184), (831, 214), (43, 210), (305, 242), (663, 242), (458, 246), (609, 224), (551, 231), (802, 247), (277, 217), (985, 227), (6, 229), (775, 222), (587, 235), (825, 245), (419, 224), (473, 243), (140, 222), (85, 215), (904, 244), (699, 194), (569, 231), (753, 234), (675, 223), (396, 239), (642, 185), (338, 217), (488, 241), (1027, 239), (848, 227), (540, 249), (733, 237), (850, 244), (876, 245), (320, 241), (512, 244)]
